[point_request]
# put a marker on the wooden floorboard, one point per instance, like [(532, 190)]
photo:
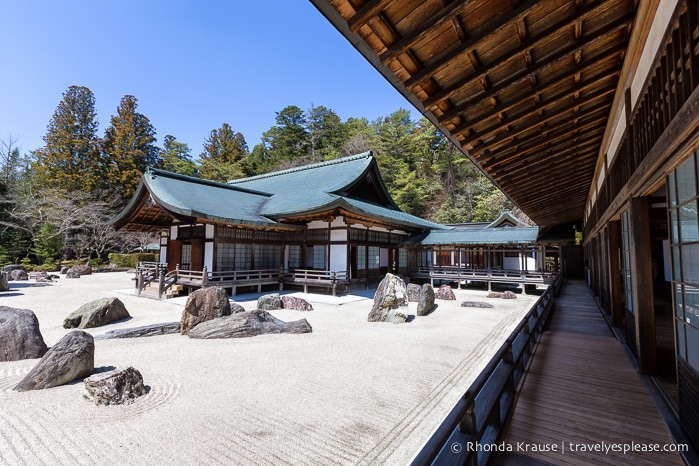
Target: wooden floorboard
[(581, 391)]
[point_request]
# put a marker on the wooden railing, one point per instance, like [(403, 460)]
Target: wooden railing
[(147, 273), (322, 278), (484, 275), (473, 426)]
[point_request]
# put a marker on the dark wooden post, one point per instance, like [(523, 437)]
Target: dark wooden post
[(161, 282), (642, 284), (616, 307)]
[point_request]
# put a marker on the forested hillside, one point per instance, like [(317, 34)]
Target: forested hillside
[(56, 200)]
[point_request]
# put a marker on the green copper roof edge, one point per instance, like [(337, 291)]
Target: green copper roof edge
[(363, 155)]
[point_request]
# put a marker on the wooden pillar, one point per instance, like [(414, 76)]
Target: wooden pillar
[(615, 291), (642, 284)]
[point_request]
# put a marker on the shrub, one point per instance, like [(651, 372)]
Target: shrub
[(130, 260)]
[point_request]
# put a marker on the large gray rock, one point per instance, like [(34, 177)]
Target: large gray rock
[(4, 286), (71, 273), (413, 291), (72, 358), (84, 269), (509, 295), (298, 304), (425, 302), (390, 301), (20, 337), (11, 268), (270, 302), (43, 277), (96, 313), (202, 305), (18, 275), (247, 324), (115, 387), (145, 331), (445, 292)]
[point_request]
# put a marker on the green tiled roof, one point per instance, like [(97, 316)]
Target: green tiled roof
[(193, 197), (482, 236), (260, 200)]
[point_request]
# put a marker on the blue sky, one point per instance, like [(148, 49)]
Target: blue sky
[(192, 65)]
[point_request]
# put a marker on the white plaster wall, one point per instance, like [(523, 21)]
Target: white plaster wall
[(163, 254), (317, 224), (662, 18), (338, 235), (209, 232), (173, 232)]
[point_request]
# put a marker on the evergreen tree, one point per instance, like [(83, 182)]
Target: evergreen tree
[(224, 155), (128, 147), (70, 158), (326, 134), (175, 157), (285, 144)]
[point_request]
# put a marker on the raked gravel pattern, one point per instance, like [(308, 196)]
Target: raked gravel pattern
[(351, 392)]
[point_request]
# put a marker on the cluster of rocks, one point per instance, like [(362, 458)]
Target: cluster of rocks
[(73, 357), (504, 295), (392, 297), (209, 314)]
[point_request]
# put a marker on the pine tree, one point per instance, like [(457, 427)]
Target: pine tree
[(70, 158), (175, 157), (224, 155), (128, 147)]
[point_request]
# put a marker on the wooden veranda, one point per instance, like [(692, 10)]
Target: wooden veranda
[(582, 389)]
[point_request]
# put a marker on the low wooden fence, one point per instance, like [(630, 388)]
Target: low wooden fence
[(489, 276), (480, 414), (333, 281), (148, 273)]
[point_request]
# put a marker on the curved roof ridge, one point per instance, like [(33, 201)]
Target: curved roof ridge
[(153, 172), (325, 163)]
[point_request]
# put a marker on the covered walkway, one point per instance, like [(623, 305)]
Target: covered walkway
[(582, 396)]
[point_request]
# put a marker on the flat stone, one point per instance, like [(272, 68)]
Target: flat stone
[(509, 295), (145, 331), (476, 304), (247, 324)]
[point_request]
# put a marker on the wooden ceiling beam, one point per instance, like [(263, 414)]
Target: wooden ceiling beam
[(522, 48), (533, 123), (542, 105), (582, 68), (530, 164), (505, 20), (569, 161), (525, 73), (498, 157), (524, 192), (366, 13), (537, 90), (446, 14)]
